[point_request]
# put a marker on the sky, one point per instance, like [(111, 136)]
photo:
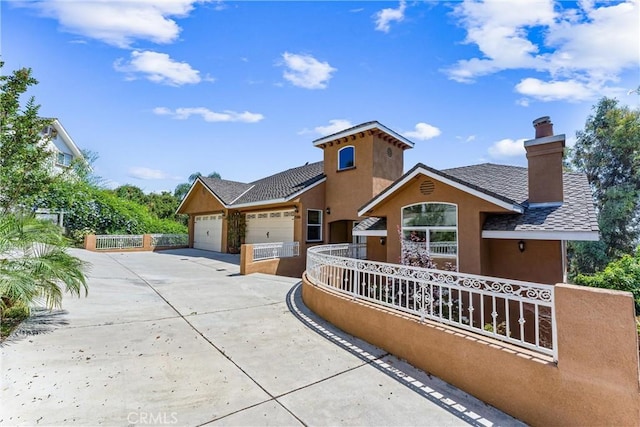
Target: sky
[(162, 89)]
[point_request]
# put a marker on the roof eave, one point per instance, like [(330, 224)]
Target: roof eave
[(569, 235), (362, 128), (279, 200), (208, 189)]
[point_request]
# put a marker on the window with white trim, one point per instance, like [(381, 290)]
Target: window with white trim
[(64, 159), (434, 227), (346, 157), (314, 225)]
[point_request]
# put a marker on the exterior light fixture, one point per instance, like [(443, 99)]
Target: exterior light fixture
[(383, 241), (328, 210), (295, 208), (521, 245)]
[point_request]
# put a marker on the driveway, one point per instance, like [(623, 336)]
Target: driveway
[(180, 338)]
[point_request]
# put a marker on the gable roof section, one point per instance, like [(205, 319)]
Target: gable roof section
[(362, 128), (67, 139), (449, 179), (277, 188)]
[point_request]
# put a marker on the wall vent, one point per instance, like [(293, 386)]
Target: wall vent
[(427, 187)]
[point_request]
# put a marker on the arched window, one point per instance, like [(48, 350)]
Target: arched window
[(434, 227), (346, 158)]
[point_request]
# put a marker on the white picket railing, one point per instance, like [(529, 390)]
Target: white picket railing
[(263, 251), (131, 241), (169, 240), (520, 313)]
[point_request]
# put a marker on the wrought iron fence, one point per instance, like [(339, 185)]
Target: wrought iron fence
[(263, 251), (104, 242), (169, 240), (520, 313)]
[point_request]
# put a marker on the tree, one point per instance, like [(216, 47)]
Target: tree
[(131, 192), (182, 189), (34, 263), (163, 205), (25, 159), (608, 152)]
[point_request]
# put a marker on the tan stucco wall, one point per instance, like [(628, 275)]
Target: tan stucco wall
[(201, 202), (595, 381), (540, 262), (470, 219), (290, 267), (375, 250)]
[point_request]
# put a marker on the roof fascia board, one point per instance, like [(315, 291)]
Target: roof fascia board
[(461, 187), (66, 138), (208, 189), (542, 235), (281, 200), (351, 131)]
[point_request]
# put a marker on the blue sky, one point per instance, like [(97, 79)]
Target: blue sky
[(161, 89)]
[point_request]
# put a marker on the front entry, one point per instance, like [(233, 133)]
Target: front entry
[(340, 231)]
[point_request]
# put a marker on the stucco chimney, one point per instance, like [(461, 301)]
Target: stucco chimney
[(544, 154)]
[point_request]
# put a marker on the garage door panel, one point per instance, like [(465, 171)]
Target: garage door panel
[(273, 226), (207, 232)]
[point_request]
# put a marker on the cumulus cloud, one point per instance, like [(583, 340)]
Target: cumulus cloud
[(306, 71), (158, 68), (140, 172), (507, 148), (582, 48), (422, 132), (208, 115), (334, 126), (384, 17), (119, 23)]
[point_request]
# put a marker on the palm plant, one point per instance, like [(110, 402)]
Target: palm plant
[(34, 263)]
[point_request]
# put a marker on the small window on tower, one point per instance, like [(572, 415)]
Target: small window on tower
[(346, 158)]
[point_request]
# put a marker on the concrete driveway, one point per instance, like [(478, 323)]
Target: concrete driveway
[(180, 338)]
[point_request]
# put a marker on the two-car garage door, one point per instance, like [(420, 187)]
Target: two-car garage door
[(207, 232), (273, 226)]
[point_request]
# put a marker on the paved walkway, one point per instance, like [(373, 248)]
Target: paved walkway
[(180, 338)]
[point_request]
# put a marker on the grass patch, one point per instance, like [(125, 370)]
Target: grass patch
[(11, 318)]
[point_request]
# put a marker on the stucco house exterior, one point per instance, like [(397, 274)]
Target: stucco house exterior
[(487, 219)]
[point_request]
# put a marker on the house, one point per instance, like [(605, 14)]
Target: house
[(486, 219)]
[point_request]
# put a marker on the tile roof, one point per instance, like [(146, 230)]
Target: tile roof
[(372, 223), (275, 187)]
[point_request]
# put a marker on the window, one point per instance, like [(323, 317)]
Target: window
[(314, 225), (64, 159), (434, 227), (346, 158)]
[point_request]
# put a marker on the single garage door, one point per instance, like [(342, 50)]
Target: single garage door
[(207, 232), (273, 226)]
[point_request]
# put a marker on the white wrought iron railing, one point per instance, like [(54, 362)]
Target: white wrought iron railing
[(169, 240), (263, 251), (436, 249), (520, 313), (104, 242)]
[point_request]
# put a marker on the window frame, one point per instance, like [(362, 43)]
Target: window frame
[(427, 229), (64, 157), (340, 151), (319, 225)]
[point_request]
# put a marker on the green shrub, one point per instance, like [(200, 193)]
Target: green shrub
[(622, 275)]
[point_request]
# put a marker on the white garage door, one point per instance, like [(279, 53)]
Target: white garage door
[(207, 232), (273, 226)]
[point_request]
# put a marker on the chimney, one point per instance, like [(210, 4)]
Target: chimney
[(544, 154)]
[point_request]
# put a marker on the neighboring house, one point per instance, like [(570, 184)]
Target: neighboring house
[(487, 219), (65, 151)]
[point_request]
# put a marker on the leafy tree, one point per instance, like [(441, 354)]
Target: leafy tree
[(622, 274), (131, 192), (34, 263), (608, 152), (163, 205), (25, 159), (182, 189)]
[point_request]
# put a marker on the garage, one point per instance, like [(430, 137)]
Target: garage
[(207, 232), (272, 226)]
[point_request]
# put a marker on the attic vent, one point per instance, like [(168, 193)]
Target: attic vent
[(427, 187)]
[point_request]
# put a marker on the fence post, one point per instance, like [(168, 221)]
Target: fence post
[(246, 257), (90, 242), (146, 242)]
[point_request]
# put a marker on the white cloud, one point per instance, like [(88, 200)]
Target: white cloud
[(334, 126), (158, 68), (385, 16), (582, 48), (208, 115), (148, 173), (119, 23), (507, 148), (422, 132), (306, 71), (569, 90)]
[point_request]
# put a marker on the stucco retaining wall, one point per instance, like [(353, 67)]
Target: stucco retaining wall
[(595, 382), (290, 267)]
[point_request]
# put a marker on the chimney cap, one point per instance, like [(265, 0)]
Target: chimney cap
[(541, 120)]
